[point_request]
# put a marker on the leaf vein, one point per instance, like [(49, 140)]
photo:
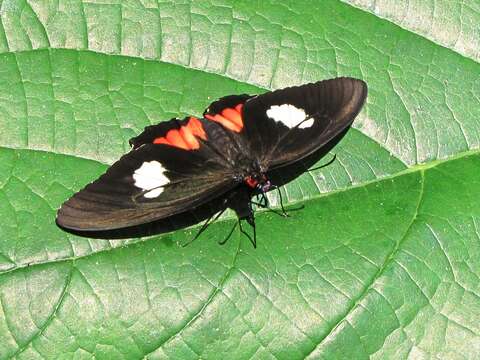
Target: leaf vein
[(388, 260), (215, 291), (51, 317)]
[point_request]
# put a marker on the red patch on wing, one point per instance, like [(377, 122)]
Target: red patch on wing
[(185, 137), (231, 118)]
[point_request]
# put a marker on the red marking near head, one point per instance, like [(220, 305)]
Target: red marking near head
[(251, 182), (231, 118), (185, 137)]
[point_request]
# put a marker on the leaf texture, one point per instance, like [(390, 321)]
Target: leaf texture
[(381, 263)]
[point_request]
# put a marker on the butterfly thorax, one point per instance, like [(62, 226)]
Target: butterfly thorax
[(253, 175)]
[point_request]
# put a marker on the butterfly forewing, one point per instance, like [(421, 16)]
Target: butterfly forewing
[(286, 125), (166, 173)]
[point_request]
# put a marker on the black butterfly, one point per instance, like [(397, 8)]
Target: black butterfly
[(219, 161)]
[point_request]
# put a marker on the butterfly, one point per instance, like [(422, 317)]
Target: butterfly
[(218, 161)]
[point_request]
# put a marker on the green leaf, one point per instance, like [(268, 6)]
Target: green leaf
[(383, 260), (453, 23)]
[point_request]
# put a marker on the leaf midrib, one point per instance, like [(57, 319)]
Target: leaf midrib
[(388, 259), (414, 169), (50, 318)]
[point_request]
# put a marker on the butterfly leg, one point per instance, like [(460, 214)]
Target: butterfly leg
[(251, 221), (264, 204), (204, 227), (262, 201), (240, 202), (284, 212), (265, 200), (229, 234)]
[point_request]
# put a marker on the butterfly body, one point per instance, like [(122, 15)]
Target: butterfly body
[(223, 158)]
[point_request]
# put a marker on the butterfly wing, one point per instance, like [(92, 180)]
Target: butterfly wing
[(181, 164), (287, 125), (173, 167)]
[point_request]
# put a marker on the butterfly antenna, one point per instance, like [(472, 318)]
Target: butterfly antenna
[(324, 165), (205, 225)]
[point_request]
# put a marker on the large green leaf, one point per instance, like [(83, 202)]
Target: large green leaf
[(382, 262), (451, 23)]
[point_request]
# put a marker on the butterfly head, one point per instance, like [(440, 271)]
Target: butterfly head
[(258, 182)]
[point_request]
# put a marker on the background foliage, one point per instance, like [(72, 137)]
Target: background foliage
[(384, 260)]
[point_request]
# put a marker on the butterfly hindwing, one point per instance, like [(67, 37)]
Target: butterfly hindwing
[(227, 111), (171, 168)]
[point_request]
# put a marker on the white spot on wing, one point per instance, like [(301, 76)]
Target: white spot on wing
[(289, 115), (307, 123), (153, 194), (150, 176)]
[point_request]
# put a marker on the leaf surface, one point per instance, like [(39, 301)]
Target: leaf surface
[(383, 260)]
